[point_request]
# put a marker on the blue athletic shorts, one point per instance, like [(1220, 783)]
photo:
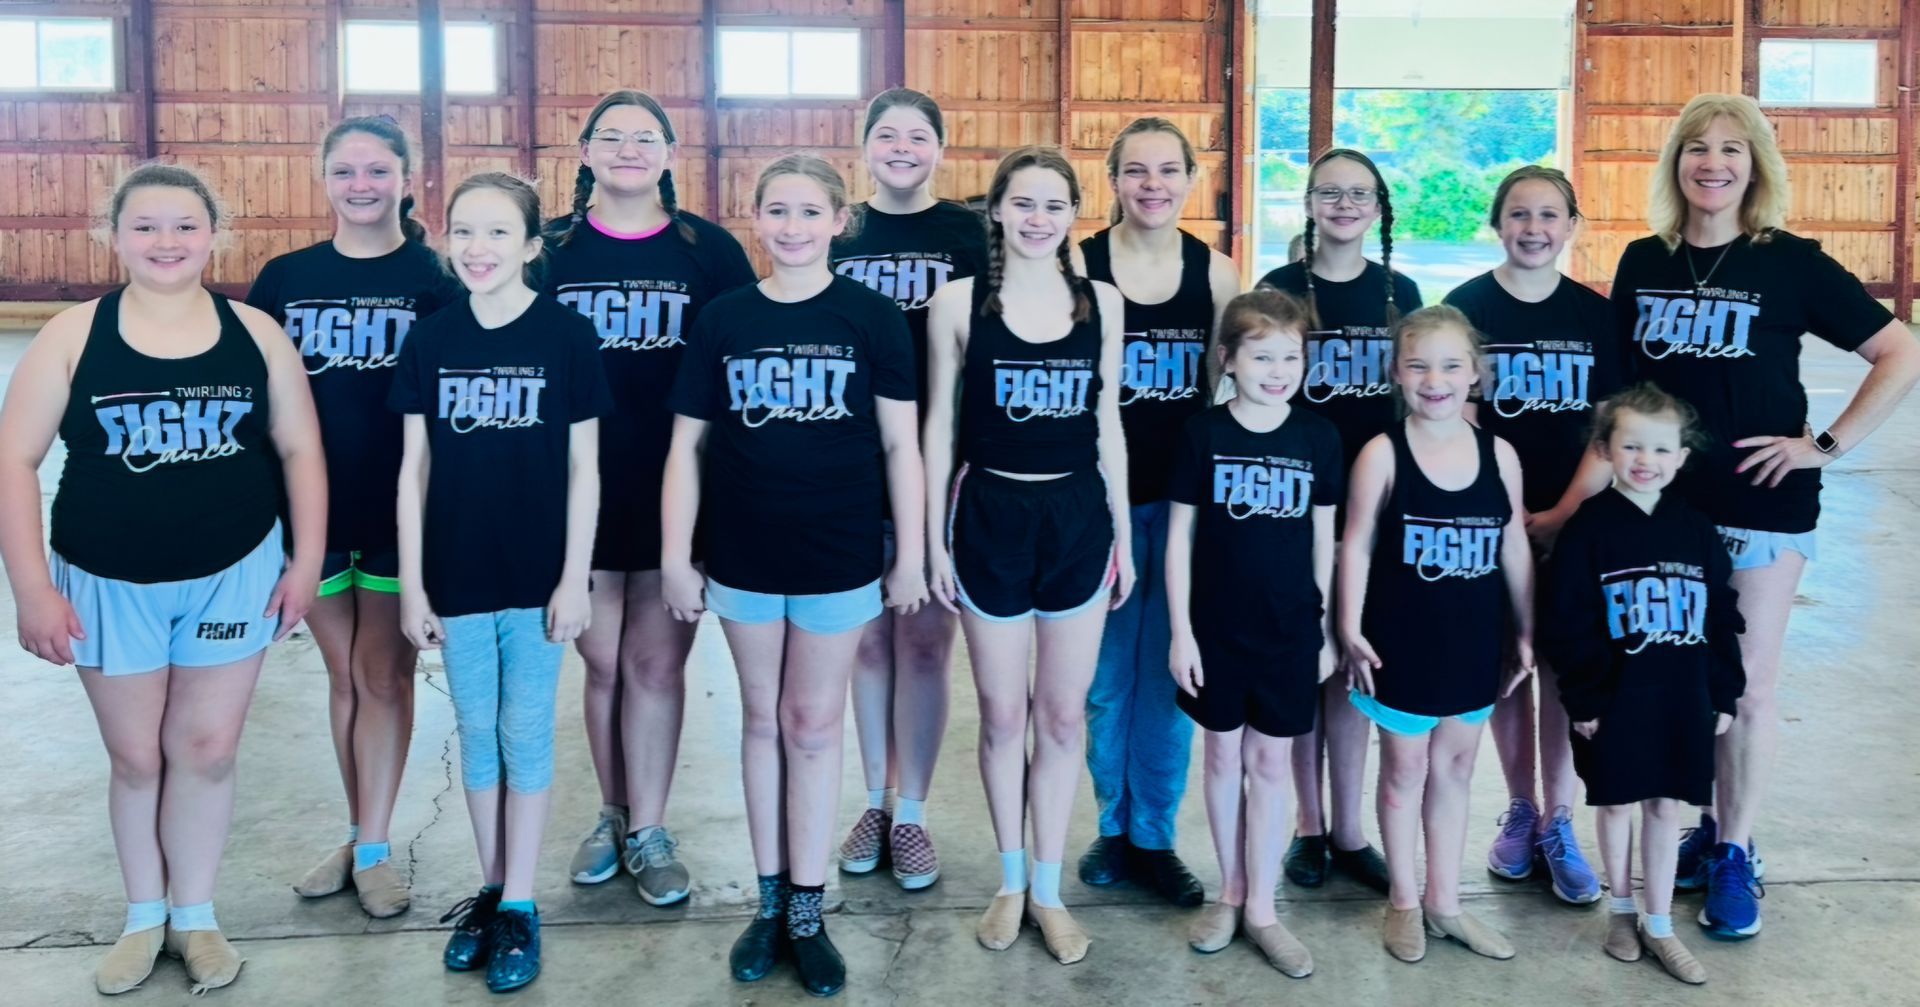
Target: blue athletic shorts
[(212, 620), (1410, 725), (820, 614), (1752, 550)]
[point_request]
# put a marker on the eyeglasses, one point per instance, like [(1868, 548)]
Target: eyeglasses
[(1359, 196), (613, 139)]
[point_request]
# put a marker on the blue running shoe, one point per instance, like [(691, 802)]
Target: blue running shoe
[(1512, 854), (1573, 880), (1732, 912), (1696, 855)]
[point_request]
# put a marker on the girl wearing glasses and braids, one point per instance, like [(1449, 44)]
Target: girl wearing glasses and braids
[(1352, 304), (641, 269)]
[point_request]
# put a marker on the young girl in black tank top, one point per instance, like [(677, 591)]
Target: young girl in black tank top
[(1027, 537), (184, 415), (1175, 287), (1434, 560)]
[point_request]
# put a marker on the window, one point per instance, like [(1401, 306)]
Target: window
[(789, 63), (384, 57), (70, 53), (1794, 72)]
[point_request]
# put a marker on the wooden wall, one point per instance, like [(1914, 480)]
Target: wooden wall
[(243, 91), (1852, 169)]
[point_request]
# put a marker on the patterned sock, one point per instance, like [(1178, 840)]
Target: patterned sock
[(1658, 926), (145, 916), (1013, 871), (1046, 885), (910, 812), (773, 896), (803, 910), (1621, 905), (198, 917), (366, 855)]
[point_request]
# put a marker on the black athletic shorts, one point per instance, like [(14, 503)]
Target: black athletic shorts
[(1030, 547), (1275, 691)]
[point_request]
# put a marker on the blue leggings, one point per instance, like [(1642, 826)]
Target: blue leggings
[(503, 674)]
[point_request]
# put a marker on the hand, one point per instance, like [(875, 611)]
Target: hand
[(940, 582), (1585, 728), (1329, 660), (683, 591), (1362, 662), (1721, 723), (905, 588), (49, 625), (1778, 456), (1184, 661), (1523, 666), (1123, 582), (418, 623), (293, 596), (1543, 528), (569, 613)]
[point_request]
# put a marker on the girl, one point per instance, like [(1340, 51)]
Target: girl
[(642, 270), (1352, 304), (1435, 554), (1690, 298), (348, 304), (794, 390), (1552, 353), (1035, 522), (1174, 288), (1645, 637), (502, 394), (908, 246), (1249, 564), (183, 416)]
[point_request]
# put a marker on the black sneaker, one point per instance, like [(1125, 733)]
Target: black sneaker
[(515, 959), (1306, 863), (757, 949), (1363, 865), (468, 947), (1162, 871), (1105, 862), (822, 971)]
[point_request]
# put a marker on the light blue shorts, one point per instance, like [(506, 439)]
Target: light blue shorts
[(1410, 725), (503, 673), (1752, 550), (200, 623), (820, 614)]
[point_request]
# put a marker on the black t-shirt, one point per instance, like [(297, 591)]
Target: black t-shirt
[(500, 404), (791, 501), (1732, 349), (1350, 355), (1253, 531), (643, 296), (350, 317), (909, 256), (1548, 364)]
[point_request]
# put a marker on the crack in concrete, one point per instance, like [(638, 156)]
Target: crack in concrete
[(446, 787), (886, 975)]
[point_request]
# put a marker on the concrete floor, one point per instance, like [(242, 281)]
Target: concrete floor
[(1843, 892)]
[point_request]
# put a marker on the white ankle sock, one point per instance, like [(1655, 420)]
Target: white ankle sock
[(1621, 905), (1658, 926), (1046, 885), (198, 917), (910, 812), (1013, 871), (145, 916), (880, 798)]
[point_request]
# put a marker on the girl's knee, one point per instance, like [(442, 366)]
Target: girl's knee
[(1061, 724), (1222, 758), (208, 754), (1660, 809), (654, 672), (137, 766), (1403, 770), (383, 682), (1270, 764), (811, 727), (1003, 721)]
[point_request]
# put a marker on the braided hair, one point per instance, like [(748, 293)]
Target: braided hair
[(387, 130), (1033, 156), (1386, 230), (564, 230)]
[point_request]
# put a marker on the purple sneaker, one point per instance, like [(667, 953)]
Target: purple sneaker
[(1512, 853), (1573, 880)]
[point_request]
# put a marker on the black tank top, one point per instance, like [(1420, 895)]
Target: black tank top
[(1436, 608), (1028, 408), (1162, 371), (170, 474)]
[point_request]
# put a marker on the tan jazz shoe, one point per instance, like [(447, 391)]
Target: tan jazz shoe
[(1675, 958), (1623, 937), (1000, 925), (211, 962), (1406, 938), (1283, 950), (1468, 929), (1213, 928), (1064, 937), (332, 874), (383, 891), (130, 961)]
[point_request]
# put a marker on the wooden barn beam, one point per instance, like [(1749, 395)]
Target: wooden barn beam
[(524, 73), (433, 114), (894, 44), (1320, 79), (1749, 16), (1243, 135), (1907, 135), (139, 57), (336, 30), (1065, 93), (710, 38)]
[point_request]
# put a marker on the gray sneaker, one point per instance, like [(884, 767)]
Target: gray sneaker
[(598, 857), (659, 876)]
